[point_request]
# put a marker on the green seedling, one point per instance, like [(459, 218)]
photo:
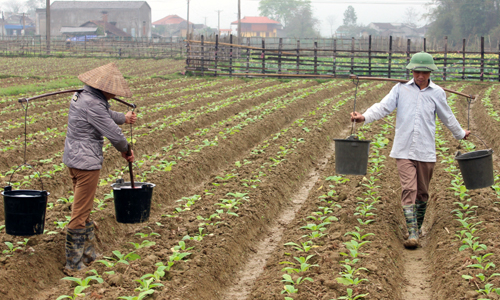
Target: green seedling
[(288, 279), (366, 222), (140, 297), (181, 246), (158, 274), (351, 296), (11, 249), (178, 256), (313, 227), (85, 282), (77, 292), (197, 237), (144, 244), (145, 235), (303, 265), (480, 276), (304, 247), (2, 227), (146, 284), (337, 179), (314, 235), (357, 235), (70, 199), (123, 258)]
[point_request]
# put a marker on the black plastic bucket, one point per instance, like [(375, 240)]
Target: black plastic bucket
[(132, 205), (351, 156), (476, 168), (24, 211)]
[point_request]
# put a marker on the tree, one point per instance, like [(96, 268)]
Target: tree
[(350, 17), (13, 6), (295, 15), (462, 19), (411, 17), (331, 19)]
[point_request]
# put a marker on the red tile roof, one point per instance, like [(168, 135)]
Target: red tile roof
[(170, 20), (257, 20)]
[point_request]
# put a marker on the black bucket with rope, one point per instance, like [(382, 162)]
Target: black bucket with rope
[(132, 199), (24, 209), (477, 166), (351, 154)]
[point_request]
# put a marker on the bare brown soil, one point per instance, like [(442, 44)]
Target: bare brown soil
[(240, 257)]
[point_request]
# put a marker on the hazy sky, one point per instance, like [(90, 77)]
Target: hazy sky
[(367, 10)]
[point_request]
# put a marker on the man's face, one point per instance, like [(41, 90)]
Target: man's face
[(421, 77)]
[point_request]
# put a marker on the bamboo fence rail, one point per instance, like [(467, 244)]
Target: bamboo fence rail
[(221, 57), (102, 47)]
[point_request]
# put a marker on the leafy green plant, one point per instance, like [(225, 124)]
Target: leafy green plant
[(77, 292), (122, 258), (86, 281), (141, 296), (146, 284), (144, 244), (351, 296), (11, 249)]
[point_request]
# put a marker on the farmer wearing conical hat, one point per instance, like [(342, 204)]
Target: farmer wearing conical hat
[(418, 102), (89, 120)]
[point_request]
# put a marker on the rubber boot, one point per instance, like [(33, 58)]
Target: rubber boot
[(75, 243), (411, 224), (89, 252), (421, 207)]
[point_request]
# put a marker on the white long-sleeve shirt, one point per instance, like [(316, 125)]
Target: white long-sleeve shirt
[(416, 119)]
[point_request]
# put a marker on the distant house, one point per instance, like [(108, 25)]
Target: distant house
[(132, 17), (172, 25), (95, 28), (258, 26), (17, 24), (398, 30)]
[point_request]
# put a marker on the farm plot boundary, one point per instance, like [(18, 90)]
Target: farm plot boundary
[(217, 58)]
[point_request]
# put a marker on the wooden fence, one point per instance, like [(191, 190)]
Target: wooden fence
[(101, 47), (226, 58)]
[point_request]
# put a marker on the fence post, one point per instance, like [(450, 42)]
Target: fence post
[(352, 55), (216, 53), (202, 56), (463, 59), (425, 42), (370, 55), (482, 58), (499, 61), (280, 46), (408, 49), (445, 58), (263, 56), (248, 54), (231, 55), (315, 58), (298, 56), (390, 57)]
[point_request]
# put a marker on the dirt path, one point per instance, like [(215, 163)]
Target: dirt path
[(417, 275), (255, 265)]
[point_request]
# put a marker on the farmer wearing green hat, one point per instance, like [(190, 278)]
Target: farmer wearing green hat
[(418, 102)]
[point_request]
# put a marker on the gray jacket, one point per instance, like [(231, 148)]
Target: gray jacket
[(90, 119)]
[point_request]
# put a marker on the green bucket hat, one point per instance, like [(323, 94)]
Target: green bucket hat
[(421, 61)]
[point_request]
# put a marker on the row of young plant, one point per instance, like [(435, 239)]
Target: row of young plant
[(481, 271), (186, 117), (229, 205), (139, 96), (18, 142)]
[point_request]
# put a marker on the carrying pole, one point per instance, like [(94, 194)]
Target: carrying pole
[(352, 76), (24, 100)]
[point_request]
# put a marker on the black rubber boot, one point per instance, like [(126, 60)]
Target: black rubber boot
[(75, 243)]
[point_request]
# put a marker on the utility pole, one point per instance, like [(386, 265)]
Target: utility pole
[(239, 22), (187, 32), (218, 26), (47, 24)]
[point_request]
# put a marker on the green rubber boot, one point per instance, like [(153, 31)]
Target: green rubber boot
[(421, 208), (75, 243), (89, 252), (411, 224)]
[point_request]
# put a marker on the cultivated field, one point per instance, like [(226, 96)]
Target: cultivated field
[(247, 204)]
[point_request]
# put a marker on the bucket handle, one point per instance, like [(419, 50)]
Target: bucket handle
[(25, 164)]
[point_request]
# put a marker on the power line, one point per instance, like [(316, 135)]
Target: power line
[(366, 2)]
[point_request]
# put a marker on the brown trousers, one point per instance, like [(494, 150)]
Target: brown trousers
[(415, 177), (84, 187)]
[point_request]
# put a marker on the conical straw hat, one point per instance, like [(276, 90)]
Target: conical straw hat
[(107, 78)]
